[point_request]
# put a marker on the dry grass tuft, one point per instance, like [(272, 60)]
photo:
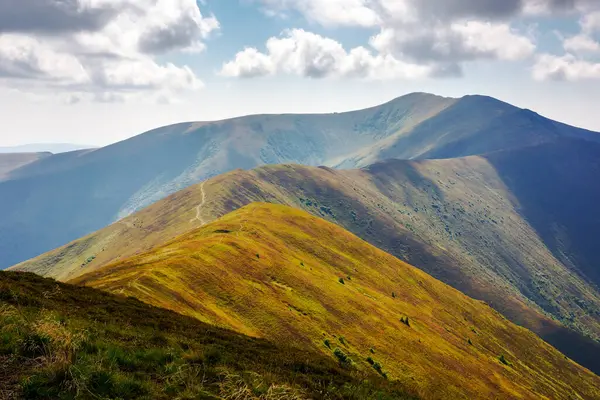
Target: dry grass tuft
[(234, 387)]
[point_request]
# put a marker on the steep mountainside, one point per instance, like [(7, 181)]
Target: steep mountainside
[(66, 342), (12, 161), (495, 227), (474, 125), (50, 202), (279, 273)]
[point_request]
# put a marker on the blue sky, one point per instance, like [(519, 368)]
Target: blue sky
[(99, 71)]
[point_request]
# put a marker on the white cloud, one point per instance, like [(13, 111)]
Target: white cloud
[(437, 36), (24, 57), (579, 61), (104, 48), (307, 54), (249, 63), (373, 13), (457, 42), (567, 68), (581, 44), (590, 23)]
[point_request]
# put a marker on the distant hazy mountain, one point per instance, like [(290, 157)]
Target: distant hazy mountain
[(60, 198), (54, 148)]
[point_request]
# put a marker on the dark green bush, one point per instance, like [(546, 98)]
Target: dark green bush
[(341, 356)]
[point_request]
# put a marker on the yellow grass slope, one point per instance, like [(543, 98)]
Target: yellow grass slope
[(277, 272)]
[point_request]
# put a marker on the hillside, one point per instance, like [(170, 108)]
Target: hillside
[(12, 161), (279, 273), (53, 201), (66, 342), (478, 224), (53, 148)]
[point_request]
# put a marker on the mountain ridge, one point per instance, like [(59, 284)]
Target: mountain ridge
[(107, 184), (276, 272)]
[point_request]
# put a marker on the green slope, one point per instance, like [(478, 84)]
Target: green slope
[(282, 274), (59, 341)]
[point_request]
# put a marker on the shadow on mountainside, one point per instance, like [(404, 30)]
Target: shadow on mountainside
[(556, 191), (553, 188)]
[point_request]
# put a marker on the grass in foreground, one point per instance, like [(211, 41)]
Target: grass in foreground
[(59, 341)]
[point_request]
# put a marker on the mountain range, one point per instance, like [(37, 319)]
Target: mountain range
[(416, 243), (479, 223), (54, 200)]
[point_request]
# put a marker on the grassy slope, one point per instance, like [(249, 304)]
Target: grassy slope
[(59, 341), (274, 271)]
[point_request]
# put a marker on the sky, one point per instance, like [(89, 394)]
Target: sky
[(100, 71)]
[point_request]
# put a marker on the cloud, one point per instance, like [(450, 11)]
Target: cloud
[(580, 59), (581, 44), (249, 63), (309, 55), (454, 43), (451, 10), (25, 57), (590, 23), (176, 25), (101, 49), (536, 7), (436, 36), (56, 16), (373, 13), (565, 68)]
